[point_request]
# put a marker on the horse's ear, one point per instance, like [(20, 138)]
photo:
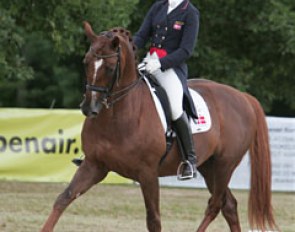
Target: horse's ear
[(116, 41), (88, 31)]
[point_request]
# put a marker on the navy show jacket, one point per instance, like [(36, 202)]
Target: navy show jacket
[(175, 32)]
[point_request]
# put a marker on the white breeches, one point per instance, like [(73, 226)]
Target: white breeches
[(173, 87)]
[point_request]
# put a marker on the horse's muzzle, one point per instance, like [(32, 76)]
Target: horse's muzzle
[(90, 109)]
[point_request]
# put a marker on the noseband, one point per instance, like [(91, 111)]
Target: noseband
[(107, 92)]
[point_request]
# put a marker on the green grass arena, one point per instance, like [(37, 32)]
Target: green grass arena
[(120, 207)]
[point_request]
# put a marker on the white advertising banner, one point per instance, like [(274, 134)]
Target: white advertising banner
[(282, 145)]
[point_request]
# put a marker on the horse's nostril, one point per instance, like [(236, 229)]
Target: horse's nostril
[(94, 113)]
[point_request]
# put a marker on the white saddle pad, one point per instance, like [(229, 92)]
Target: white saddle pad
[(202, 124)]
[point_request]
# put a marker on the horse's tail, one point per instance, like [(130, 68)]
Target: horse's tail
[(260, 212)]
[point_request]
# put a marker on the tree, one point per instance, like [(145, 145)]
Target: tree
[(247, 44), (43, 45)]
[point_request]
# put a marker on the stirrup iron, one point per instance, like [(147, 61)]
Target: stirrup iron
[(180, 170)]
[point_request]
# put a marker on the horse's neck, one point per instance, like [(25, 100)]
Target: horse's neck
[(125, 114), (129, 102)]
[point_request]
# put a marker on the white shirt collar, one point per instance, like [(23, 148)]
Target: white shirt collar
[(172, 4)]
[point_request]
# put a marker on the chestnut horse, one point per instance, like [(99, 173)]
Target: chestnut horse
[(123, 133)]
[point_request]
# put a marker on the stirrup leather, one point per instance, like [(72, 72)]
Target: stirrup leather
[(180, 170)]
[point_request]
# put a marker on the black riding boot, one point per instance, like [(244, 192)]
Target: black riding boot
[(187, 168)]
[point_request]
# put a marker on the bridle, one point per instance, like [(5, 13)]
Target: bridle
[(107, 91)]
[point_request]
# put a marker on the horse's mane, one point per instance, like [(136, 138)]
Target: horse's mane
[(124, 34)]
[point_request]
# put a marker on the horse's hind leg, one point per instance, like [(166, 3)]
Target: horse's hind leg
[(230, 212), (214, 204), (86, 176), (217, 178)]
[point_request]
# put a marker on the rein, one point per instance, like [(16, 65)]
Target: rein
[(107, 92)]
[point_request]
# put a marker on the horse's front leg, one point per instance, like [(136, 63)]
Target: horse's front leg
[(149, 184), (86, 176)]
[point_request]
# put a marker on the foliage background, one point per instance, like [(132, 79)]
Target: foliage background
[(247, 44)]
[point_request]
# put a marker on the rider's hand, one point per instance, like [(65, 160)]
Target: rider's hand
[(152, 65)]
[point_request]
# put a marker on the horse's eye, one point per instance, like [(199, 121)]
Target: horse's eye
[(109, 71)]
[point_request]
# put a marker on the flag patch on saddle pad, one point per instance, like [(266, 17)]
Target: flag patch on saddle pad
[(202, 124)]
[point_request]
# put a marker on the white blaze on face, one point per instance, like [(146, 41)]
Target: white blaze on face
[(97, 65)]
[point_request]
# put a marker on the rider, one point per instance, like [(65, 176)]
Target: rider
[(172, 27)]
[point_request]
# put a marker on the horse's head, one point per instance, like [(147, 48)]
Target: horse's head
[(104, 63)]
